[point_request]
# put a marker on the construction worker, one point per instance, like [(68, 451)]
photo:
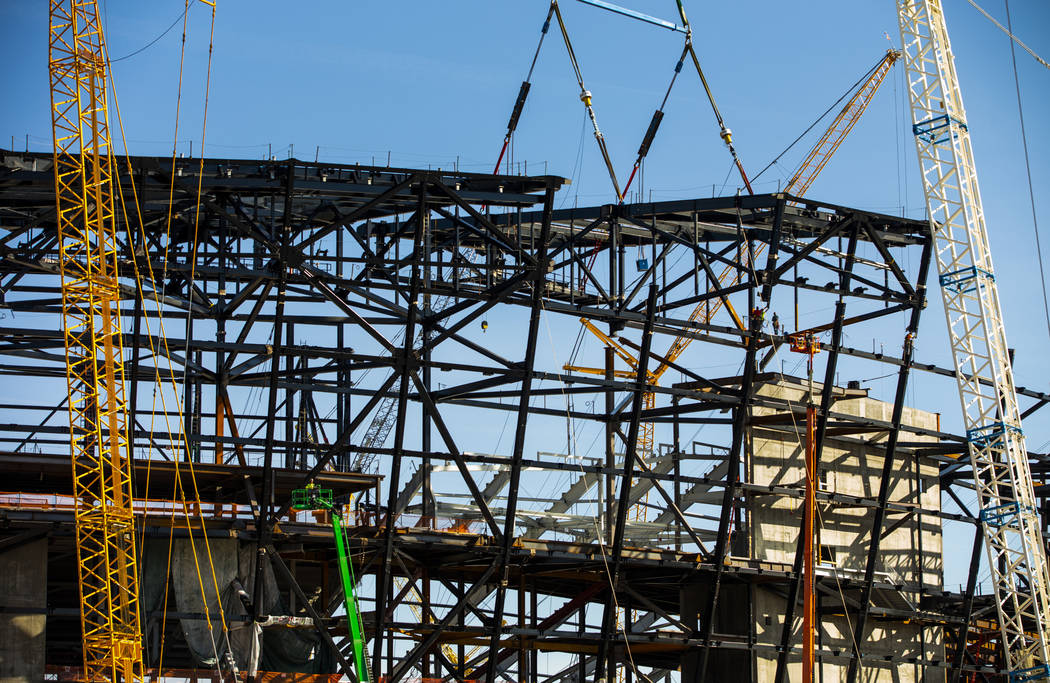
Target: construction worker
[(776, 324), (759, 314)]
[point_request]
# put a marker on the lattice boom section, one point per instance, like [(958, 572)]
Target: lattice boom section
[(95, 369), (971, 300)]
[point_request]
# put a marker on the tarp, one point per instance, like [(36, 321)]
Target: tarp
[(283, 648)]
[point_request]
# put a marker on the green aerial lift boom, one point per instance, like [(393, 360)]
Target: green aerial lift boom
[(314, 498)]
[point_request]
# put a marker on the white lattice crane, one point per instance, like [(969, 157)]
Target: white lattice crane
[(975, 326)]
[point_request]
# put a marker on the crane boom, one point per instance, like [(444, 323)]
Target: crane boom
[(821, 153), (105, 525), (991, 417), (799, 184), (807, 172), (314, 498)]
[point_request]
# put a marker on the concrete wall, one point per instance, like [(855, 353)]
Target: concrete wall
[(23, 584), (910, 552)]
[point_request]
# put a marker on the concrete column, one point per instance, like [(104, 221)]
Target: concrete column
[(23, 585)]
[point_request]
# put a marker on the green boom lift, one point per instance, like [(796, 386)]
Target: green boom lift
[(314, 498)]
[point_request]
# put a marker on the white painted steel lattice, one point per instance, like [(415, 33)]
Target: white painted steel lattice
[(975, 323)]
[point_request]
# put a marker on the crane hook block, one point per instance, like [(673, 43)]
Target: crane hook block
[(519, 104), (727, 136), (658, 116), (585, 97)]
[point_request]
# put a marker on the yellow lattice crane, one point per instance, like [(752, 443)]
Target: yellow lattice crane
[(704, 312), (814, 162), (83, 170)]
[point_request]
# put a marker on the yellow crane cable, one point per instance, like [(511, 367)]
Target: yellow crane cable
[(175, 137), (163, 336), (172, 446), (189, 459)]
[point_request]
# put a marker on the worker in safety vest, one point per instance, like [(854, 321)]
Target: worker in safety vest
[(759, 314)]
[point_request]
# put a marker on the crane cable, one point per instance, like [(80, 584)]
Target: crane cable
[(1027, 163), (725, 133), (180, 488), (154, 41), (585, 97), (225, 632), (523, 93), (654, 124), (1008, 30), (820, 118)]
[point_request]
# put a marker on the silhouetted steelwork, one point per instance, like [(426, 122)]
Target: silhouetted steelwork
[(311, 305)]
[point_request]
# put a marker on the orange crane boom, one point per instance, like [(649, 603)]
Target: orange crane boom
[(821, 153), (799, 184)]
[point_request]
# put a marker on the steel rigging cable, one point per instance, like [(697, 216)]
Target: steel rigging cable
[(654, 124), (523, 93), (724, 132), (585, 95)]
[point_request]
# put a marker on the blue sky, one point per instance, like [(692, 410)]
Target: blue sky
[(432, 83)]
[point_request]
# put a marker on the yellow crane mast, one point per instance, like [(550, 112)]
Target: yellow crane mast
[(83, 170), (704, 312)]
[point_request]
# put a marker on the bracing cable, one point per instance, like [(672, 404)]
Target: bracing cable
[(1028, 167), (654, 124), (523, 92), (585, 97), (723, 131)]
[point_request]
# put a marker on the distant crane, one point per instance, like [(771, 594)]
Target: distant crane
[(975, 325), (800, 182), (822, 152), (385, 417), (83, 170)]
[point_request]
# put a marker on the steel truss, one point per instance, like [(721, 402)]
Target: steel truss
[(313, 284)]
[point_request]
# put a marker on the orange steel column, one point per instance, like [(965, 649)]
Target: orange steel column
[(805, 342), (809, 514)]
